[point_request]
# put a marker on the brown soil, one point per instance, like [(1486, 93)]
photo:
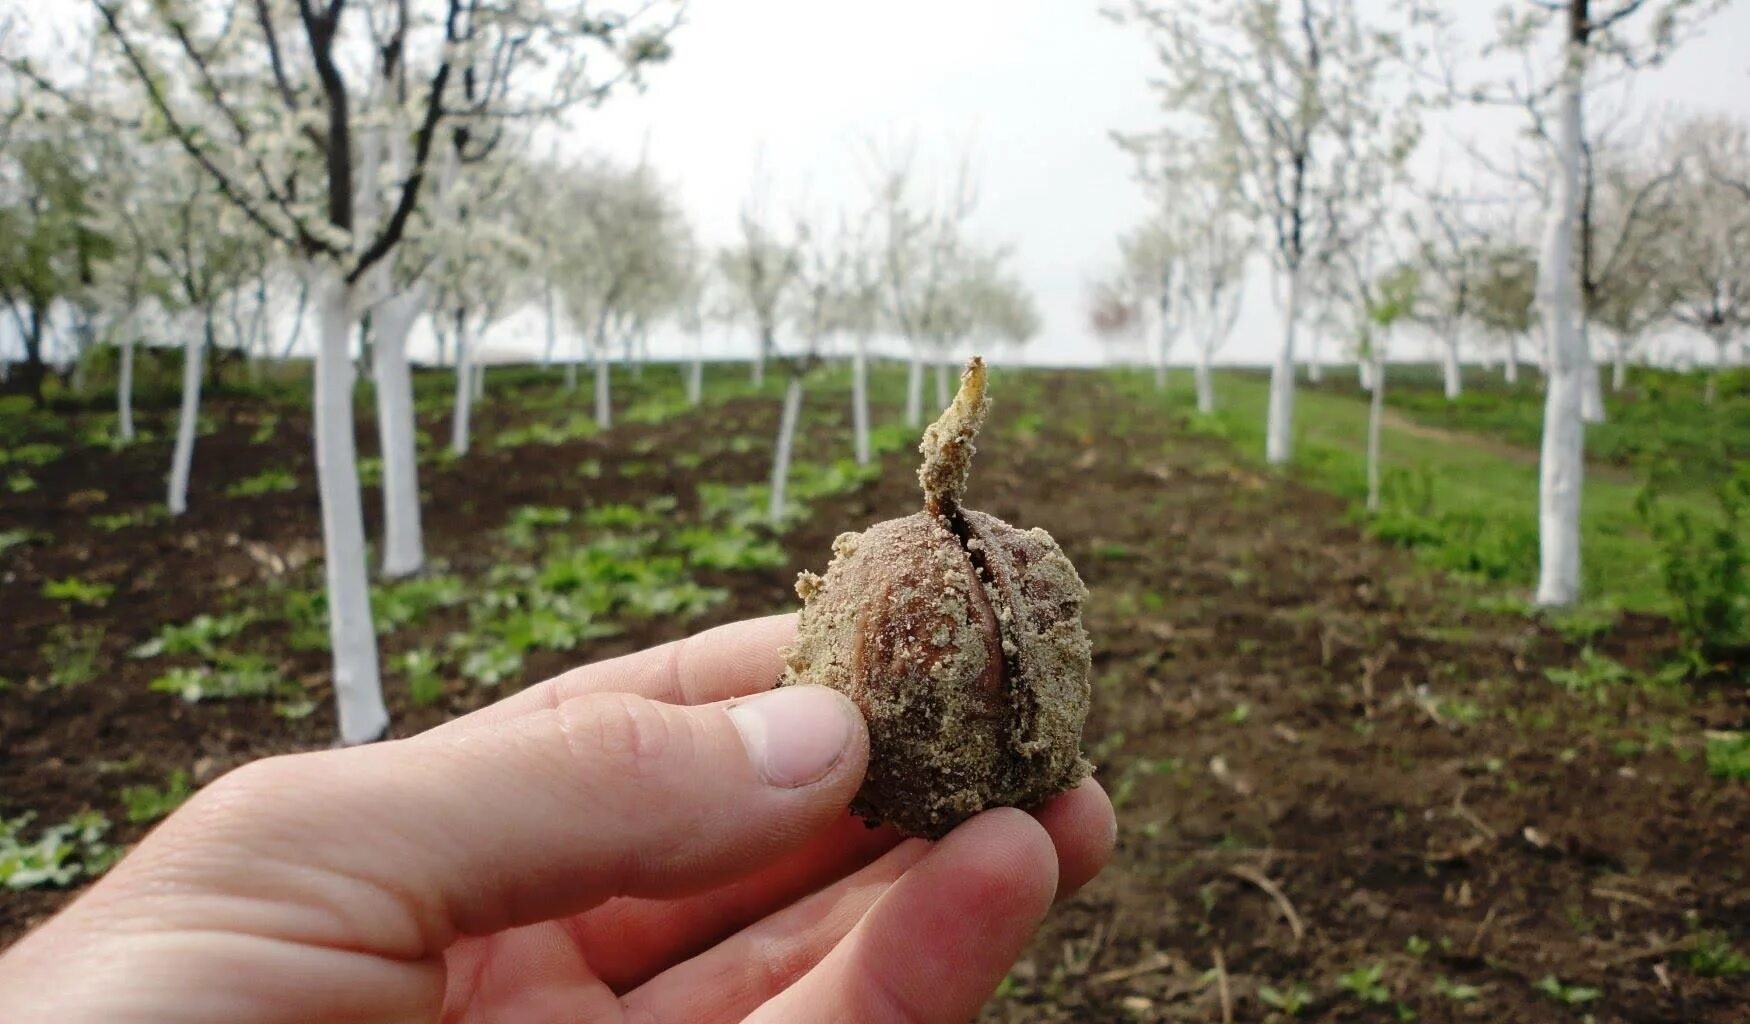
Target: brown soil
[(1323, 760)]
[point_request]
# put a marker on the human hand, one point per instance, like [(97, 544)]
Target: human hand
[(637, 840)]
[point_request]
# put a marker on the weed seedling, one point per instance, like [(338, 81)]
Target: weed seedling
[(1567, 995), (149, 803)]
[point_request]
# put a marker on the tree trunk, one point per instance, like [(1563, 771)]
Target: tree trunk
[(1592, 394), (1510, 365), (358, 688), (34, 368), (696, 374), (1364, 372), (552, 330), (1164, 348), (604, 406), (759, 361), (479, 381), (1205, 387), (1619, 366), (1279, 432), (124, 388), (860, 398), (463, 407), (944, 394), (781, 458), (1452, 374), (1562, 463), (182, 456), (403, 537), (1315, 364), (1375, 413), (1722, 342), (914, 389)]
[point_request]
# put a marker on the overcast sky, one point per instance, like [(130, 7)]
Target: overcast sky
[(1031, 88)]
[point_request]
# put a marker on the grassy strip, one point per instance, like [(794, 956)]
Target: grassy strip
[(1464, 509)]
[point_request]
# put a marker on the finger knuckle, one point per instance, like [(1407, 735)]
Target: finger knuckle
[(619, 734)]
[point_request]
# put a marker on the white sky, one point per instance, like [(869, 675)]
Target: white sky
[(1031, 87)]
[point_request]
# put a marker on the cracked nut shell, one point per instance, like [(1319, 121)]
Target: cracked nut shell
[(960, 638)]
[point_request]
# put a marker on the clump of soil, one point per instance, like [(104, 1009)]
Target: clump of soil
[(960, 637)]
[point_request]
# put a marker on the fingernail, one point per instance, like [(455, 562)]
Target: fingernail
[(794, 735)]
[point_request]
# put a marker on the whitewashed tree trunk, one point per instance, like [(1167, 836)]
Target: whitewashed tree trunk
[(1315, 364), (1201, 376), (463, 407), (1162, 350), (696, 374), (1279, 432), (358, 687), (1510, 365), (758, 371), (781, 458), (604, 403), (124, 388), (1722, 340), (403, 535), (914, 389), (1452, 374), (479, 381), (1592, 392), (1562, 462), (1375, 414), (187, 420), (860, 398), (552, 329), (944, 394)]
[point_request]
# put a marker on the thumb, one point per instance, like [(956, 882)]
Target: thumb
[(398, 848)]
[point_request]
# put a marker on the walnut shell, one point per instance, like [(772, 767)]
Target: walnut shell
[(960, 638)]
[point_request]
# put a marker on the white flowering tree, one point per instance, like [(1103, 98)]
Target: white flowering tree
[(1301, 109), (1565, 48), (626, 260), (919, 235), (1704, 253), (290, 108)]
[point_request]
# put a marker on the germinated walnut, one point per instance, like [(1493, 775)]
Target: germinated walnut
[(960, 637)]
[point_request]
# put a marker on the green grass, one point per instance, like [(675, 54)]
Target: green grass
[(1471, 509)]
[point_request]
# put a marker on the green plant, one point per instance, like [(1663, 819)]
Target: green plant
[(1366, 984), (10, 539), (1290, 1001), (199, 635), (72, 653), (1458, 992), (425, 686), (138, 517), (728, 549), (1713, 956), (20, 482), (1705, 564), (264, 429), (37, 453), (408, 601), (526, 522), (268, 481), (1728, 756), (59, 856), (1567, 995), (1593, 674), (146, 802), (78, 591), (237, 676)]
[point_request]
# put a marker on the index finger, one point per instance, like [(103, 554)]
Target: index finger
[(732, 660)]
